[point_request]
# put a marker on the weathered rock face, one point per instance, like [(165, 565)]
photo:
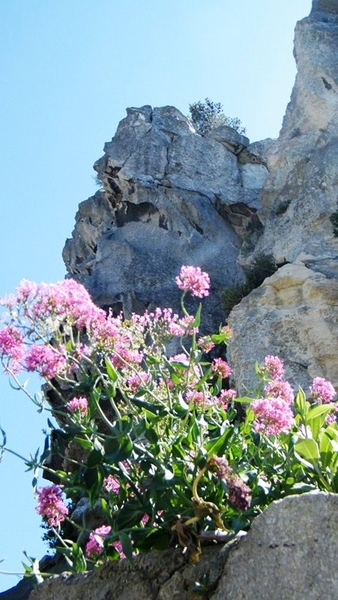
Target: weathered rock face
[(294, 314), (291, 549), (289, 552), (170, 197)]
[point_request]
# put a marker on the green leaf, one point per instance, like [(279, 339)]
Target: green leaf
[(94, 458), (152, 408), (126, 545), (197, 320), (326, 450), (79, 559), (308, 448), (86, 444), (93, 479), (130, 514), (118, 449), (219, 445), (244, 400), (322, 409), (316, 417), (111, 372), (181, 407), (218, 338), (301, 405)]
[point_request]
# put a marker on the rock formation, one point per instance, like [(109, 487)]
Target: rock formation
[(294, 314), (171, 196), (291, 549)]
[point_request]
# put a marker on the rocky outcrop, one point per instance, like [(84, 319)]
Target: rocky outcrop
[(294, 314), (170, 197), (291, 549)]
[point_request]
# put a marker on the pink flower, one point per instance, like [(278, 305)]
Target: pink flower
[(225, 396), (330, 418), (206, 344), (273, 416), (322, 390), (225, 330), (12, 346), (137, 380), (94, 546), (280, 389), (218, 465), (45, 360), (125, 356), (193, 280), (105, 332), (273, 367), (180, 358), (50, 506), (25, 290), (79, 405), (221, 368), (65, 300), (239, 492), (118, 547), (112, 484), (199, 398), (183, 327)]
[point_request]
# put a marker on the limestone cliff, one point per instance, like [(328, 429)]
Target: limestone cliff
[(294, 314), (171, 196)]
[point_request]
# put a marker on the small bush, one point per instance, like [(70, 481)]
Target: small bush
[(263, 266), (208, 114)]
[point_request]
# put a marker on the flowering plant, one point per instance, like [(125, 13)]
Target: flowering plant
[(151, 449)]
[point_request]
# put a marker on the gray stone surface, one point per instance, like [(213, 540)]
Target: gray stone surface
[(289, 553), (294, 313), (155, 576), (170, 197), (329, 6)]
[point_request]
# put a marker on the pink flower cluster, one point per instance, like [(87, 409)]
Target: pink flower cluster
[(273, 367), (12, 346), (239, 492), (95, 544), (225, 396), (67, 300), (273, 414), (193, 280), (280, 389), (51, 506), (322, 390), (111, 484), (221, 368), (45, 360), (78, 405)]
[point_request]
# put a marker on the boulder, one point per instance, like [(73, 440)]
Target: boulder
[(290, 552), (170, 197), (294, 313)]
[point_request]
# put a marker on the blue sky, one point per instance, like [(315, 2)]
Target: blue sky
[(69, 68)]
